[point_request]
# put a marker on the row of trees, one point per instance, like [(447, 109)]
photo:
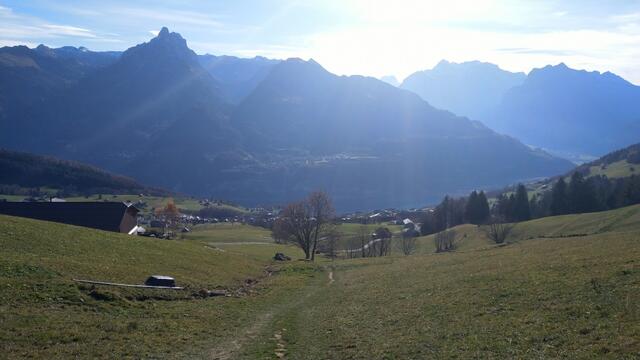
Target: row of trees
[(308, 221), (451, 212), (579, 195), (514, 207)]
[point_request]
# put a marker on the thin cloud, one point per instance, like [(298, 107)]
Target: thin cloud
[(66, 30), (20, 29)]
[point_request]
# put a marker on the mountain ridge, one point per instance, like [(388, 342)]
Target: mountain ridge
[(157, 114)]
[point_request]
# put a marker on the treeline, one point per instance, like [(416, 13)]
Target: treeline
[(582, 195), (579, 195), (451, 212)]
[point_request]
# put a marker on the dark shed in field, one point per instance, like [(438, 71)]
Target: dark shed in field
[(108, 216), (160, 280)]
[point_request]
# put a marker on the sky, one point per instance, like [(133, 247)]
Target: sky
[(366, 37)]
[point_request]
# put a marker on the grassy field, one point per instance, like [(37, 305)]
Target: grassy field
[(43, 313), (563, 287), (229, 233), (550, 298)]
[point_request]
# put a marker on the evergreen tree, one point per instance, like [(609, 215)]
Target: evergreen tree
[(504, 207), (631, 190), (471, 209), (559, 200), (521, 210), (581, 195), (483, 208), (535, 206)]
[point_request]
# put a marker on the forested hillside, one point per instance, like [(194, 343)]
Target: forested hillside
[(20, 172)]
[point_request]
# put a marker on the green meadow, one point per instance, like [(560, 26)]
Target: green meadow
[(562, 287)]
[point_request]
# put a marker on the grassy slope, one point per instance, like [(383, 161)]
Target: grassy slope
[(42, 311), (228, 233), (617, 169), (573, 297)]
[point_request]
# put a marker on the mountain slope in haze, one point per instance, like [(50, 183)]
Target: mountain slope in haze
[(35, 171), (467, 89), (154, 95), (237, 76), (571, 111), (82, 56), (29, 77), (157, 114), (369, 143)]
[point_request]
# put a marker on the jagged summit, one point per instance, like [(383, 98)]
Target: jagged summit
[(163, 32), (166, 46), (169, 37)]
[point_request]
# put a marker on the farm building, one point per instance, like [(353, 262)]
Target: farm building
[(108, 216)]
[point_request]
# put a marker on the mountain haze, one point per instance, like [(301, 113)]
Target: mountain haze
[(468, 89), (237, 76), (571, 111), (168, 117), (366, 141)]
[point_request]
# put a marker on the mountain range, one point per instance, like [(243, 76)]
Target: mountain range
[(253, 131), (573, 113)]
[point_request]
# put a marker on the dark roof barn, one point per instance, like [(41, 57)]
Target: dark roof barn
[(108, 216)]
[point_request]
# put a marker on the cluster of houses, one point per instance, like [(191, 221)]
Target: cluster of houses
[(127, 218), (408, 219)]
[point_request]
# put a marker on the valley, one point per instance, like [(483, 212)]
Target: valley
[(310, 180)]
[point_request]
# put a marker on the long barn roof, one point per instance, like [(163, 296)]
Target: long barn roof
[(98, 215)]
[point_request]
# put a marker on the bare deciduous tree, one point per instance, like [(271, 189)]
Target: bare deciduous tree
[(322, 212), (497, 230), (364, 237), (445, 240), (330, 243), (381, 245), (280, 233), (408, 245), (303, 222)]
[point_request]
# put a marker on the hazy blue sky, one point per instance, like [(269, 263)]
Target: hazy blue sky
[(352, 37)]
